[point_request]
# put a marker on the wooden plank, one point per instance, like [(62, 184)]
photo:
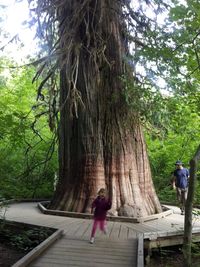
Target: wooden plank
[(73, 228), (161, 225), (100, 243), (84, 261), (140, 228), (72, 264), (63, 223), (82, 228), (123, 234), (131, 233), (115, 230), (140, 251), (28, 258), (155, 216), (91, 254), (168, 233), (79, 264), (110, 226), (88, 230), (88, 257), (74, 252), (95, 248)]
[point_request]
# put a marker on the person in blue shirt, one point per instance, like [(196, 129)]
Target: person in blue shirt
[(180, 183)]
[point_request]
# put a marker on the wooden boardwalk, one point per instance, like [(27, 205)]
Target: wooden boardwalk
[(71, 251), (118, 248)]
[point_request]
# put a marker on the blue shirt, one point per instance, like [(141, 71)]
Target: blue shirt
[(181, 178)]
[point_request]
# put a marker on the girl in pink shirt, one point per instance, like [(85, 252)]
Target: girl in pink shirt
[(100, 206)]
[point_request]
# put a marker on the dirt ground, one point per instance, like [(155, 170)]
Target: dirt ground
[(171, 258), (17, 239), (8, 256)]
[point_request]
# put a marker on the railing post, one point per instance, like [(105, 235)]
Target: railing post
[(140, 250), (187, 239)]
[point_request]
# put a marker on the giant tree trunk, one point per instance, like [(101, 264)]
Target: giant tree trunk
[(101, 142)]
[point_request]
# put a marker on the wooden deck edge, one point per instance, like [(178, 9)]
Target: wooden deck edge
[(109, 218), (140, 250), (64, 213), (21, 200), (155, 216), (167, 239), (156, 235), (33, 254)]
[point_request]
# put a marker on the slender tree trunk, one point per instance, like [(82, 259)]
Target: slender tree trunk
[(101, 141), (187, 241)]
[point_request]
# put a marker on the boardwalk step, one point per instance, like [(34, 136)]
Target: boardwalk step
[(74, 252)]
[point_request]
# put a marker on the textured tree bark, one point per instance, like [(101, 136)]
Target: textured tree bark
[(101, 143)]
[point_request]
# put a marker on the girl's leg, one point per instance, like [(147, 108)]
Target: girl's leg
[(94, 228), (103, 226)]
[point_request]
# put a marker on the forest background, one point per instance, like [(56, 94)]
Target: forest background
[(170, 117)]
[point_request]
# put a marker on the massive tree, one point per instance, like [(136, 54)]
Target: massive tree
[(101, 143)]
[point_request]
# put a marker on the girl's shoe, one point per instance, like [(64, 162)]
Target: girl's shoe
[(105, 231), (91, 240)]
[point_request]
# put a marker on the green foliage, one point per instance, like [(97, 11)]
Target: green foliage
[(28, 239), (195, 249), (23, 239), (3, 209), (28, 150), (145, 101), (179, 140)]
